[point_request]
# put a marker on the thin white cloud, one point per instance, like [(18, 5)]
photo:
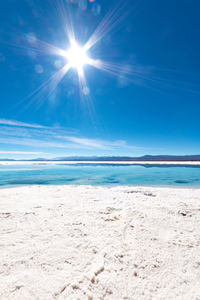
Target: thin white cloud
[(38, 136), (21, 152), (99, 144), (19, 124), (88, 142), (36, 143)]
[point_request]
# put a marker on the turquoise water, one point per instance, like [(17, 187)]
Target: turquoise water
[(149, 175)]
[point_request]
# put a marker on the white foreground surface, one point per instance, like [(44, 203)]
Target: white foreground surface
[(73, 242)]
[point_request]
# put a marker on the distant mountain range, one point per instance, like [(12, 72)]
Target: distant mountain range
[(118, 158)]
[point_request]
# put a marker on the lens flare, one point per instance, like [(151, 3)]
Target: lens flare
[(76, 56)]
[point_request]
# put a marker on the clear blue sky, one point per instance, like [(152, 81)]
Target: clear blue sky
[(148, 102)]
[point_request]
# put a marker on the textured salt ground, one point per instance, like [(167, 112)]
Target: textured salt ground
[(76, 242)]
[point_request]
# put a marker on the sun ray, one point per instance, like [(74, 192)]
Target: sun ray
[(46, 88), (66, 19), (111, 20), (78, 55)]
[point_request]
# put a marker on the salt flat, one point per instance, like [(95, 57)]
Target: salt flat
[(60, 162), (84, 242)]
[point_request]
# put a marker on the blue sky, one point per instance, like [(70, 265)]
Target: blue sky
[(144, 101)]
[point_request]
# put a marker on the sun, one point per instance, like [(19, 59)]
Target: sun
[(77, 57)]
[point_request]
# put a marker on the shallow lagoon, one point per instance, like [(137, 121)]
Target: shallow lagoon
[(86, 174)]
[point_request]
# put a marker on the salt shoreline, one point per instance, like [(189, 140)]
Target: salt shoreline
[(189, 163), (84, 242)]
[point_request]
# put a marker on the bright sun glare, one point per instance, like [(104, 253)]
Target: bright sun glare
[(77, 57)]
